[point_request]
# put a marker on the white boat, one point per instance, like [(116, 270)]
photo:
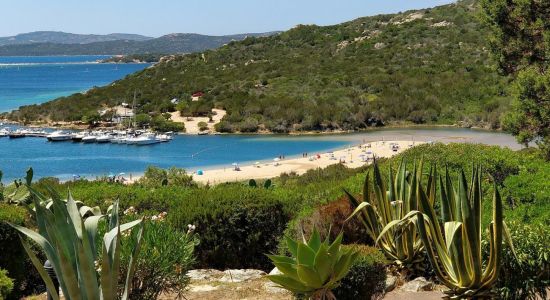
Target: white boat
[(89, 139), (77, 137), (4, 132), (105, 138), (144, 139), (59, 136), (166, 137)]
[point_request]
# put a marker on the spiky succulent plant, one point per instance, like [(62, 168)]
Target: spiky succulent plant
[(315, 267)]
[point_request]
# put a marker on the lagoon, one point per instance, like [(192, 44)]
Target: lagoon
[(65, 159)]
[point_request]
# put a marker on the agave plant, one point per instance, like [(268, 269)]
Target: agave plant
[(387, 205), (453, 244), (315, 268), (67, 235)]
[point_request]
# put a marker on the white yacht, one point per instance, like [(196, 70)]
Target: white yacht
[(166, 137), (59, 136), (4, 132), (89, 139), (144, 139), (104, 138), (77, 137)]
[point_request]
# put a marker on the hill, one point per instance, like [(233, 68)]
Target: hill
[(168, 44), (67, 38), (423, 66)]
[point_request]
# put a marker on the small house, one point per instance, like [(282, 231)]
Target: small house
[(196, 96)]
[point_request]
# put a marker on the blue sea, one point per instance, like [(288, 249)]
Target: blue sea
[(28, 80), (31, 80)]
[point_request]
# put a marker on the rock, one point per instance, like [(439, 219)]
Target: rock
[(442, 24), (204, 274), (202, 288), (417, 285), (271, 286), (379, 45), (391, 281), (241, 275)]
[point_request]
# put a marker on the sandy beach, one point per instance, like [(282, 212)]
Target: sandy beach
[(352, 157)]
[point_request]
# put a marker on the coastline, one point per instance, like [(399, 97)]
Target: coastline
[(61, 125), (352, 157)]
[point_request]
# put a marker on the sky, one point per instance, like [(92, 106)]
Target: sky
[(214, 17)]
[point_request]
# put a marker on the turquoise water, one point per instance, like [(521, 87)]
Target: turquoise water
[(65, 159), (28, 80)]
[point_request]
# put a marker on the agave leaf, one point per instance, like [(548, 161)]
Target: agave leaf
[(40, 268), (309, 276), (292, 246), (315, 240), (335, 246), (289, 283), (68, 274), (306, 256), (90, 225), (281, 259), (86, 269), (322, 263), (344, 264), (133, 262), (288, 269)]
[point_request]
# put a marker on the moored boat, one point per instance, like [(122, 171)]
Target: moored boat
[(105, 138), (17, 134), (59, 136), (4, 132), (77, 137), (89, 139), (144, 139)]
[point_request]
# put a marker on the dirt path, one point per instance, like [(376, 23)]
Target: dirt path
[(192, 125)]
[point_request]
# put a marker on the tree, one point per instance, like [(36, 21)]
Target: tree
[(521, 43), (203, 126)]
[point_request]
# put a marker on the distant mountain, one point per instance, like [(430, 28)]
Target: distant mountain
[(59, 37), (168, 44)]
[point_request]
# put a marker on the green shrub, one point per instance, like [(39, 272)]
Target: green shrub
[(367, 276), (527, 276), (6, 284), (237, 225), (157, 177), (224, 126), (203, 126), (13, 257), (166, 256)]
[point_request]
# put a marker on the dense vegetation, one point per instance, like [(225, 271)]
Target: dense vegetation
[(521, 42), (171, 43), (426, 66), (236, 221)]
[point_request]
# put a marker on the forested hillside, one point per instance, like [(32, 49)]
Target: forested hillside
[(425, 66)]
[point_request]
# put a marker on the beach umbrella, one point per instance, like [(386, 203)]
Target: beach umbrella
[(276, 159), (121, 174), (234, 164), (200, 172)]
